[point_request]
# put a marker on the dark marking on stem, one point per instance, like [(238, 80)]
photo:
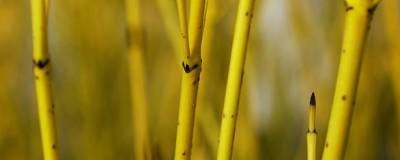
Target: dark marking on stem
[(312, 99), (249, 14), (189, 69), (371, 10), (51, 111), (233, 116), (186, 67), (241, 76), (195, 66), (313, 131), (326, 145), (344, 97), (53, 146), (354, 103), (184, 154), (196, 81), (349, 8), (41, 63)]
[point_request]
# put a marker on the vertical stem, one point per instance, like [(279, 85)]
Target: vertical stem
[(181, 5), (312, 132), (41, 69), (191, 65), (196, 27), (392, 23), (358, 18), (206, 121), (235, 76), (138, 81)]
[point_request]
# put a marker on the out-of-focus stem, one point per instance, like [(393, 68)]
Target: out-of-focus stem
[(137, 72), (392, 23), (167, 9)]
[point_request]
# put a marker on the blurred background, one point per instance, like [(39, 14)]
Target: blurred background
[(293, 50)]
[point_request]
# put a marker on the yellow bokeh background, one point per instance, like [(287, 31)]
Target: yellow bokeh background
[(294, 50)]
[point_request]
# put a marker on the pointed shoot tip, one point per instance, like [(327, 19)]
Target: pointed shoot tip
[(312, 99)]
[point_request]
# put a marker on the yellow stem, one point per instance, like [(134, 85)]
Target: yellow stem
[(191, 65), (181, 5), (358, 17), (196, 27), (41, 63), (206, 121), (137, 81), (312, 132), (235, 76), (46, 6)]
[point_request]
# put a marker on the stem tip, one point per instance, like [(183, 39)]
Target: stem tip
[(312, 99)]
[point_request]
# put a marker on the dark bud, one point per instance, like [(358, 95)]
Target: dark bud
[(312, 100), (41, 63)]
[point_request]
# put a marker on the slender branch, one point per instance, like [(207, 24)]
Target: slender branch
[(191, 65), (312, 132), (41, 69), (206, 120), (181, 5), (235, 76), (358, 18)]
